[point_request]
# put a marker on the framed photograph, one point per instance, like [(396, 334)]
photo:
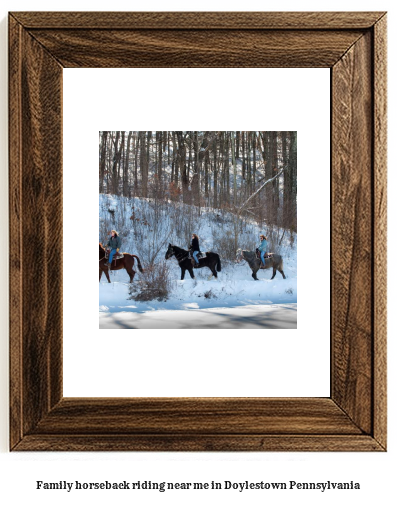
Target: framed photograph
[(233, 188), (353, 47)]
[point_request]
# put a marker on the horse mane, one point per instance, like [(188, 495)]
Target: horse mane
[(178, 248), (248, 255)]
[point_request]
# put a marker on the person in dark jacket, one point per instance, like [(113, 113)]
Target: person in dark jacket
[(195, 247), (114, 244)]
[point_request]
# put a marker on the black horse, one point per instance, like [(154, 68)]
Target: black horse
[(212, 260)]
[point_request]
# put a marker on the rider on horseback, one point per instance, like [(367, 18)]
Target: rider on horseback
[(195, 248), (114, 244), (263, 248)]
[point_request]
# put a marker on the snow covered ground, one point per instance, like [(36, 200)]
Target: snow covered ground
[(234, 300)]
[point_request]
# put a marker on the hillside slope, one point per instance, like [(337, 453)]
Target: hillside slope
[(146, 227)]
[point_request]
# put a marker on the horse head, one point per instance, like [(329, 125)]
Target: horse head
[(246, 255), (170, 252)]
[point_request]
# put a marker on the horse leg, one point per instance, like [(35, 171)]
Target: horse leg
[(213, 271), (282, 272), (183, 273), (254, 275), (106, 273), (274, 273), (191, 272), (132, 273)]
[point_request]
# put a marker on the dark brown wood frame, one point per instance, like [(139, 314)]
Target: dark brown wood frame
[(353, 46)]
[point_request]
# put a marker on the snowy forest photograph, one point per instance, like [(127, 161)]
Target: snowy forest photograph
[(198, 229)]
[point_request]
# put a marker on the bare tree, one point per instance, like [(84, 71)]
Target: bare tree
[(102, 159)]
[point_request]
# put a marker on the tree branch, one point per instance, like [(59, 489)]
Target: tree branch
[(240, 209)]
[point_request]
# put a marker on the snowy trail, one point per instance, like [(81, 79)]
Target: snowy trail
[(283, 316)]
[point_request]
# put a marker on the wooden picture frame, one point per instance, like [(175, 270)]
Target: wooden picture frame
[(353, 46)]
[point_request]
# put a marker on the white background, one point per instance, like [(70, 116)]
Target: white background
[(18, 472), (215, 362)]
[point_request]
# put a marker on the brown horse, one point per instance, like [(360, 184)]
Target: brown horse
[(126, 262)]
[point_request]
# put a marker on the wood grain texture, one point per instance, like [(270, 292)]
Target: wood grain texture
[(173, 416), (36, 269), (354, 46), (196, 48), (199, 443), (41, 87), (15, 230), (380, 229), (351, 232), (200, 20)]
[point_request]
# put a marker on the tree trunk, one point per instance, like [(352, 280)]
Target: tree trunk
[(237, 145), (125, 165), (206, 174), (286, 186), (116, 162), (221, 168), (196, 170), (234, 170), (236, 221), (160, 157), (144, 163), (215, 176), (122, 158), (243, 158), (136, 165), (293, 168), (249, 178), (182, 166), (253, 161), (226, 170), (102, 160), (275, 170)]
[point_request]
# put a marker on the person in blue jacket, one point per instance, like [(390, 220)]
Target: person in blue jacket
[(114, 244), (263, 247)]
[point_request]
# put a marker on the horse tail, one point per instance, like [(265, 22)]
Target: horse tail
[(139, 263), (218, 264)]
